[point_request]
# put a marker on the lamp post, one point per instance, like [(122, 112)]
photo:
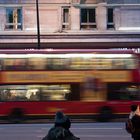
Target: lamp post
[(38, 26)]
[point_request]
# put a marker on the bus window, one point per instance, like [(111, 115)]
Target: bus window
[(130, 63), (123, 92), (97, 63), (37, 63), (75, 63), (57, 63), (14, 64), (104, 64), (80, 63), (55, 92), (118, 64), (60, 92), (134, 92), (12, 93), (19, 93), (33, 94), (117, 92)]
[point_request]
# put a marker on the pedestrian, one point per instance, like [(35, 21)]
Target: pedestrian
[(135, 119), (61, 129), (132, 113), (62, 120)]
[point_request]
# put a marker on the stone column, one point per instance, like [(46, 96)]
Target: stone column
[(101, 16), (2, 19), (75, 18), (117, 18)]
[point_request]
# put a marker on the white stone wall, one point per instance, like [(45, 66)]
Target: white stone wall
[(126, 17), (2, 18), (29, 19), (130, 19), (101, 17), (75, 19)]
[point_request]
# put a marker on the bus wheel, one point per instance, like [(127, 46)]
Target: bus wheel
[(105, 114), (16, 115)]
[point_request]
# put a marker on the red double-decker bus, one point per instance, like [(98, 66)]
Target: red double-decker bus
[(82, 83)]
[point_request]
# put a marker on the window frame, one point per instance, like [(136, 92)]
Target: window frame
[(88, 24), (65, 24), (110, 24), (18, 25)]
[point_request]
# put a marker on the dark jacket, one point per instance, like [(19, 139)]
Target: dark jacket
[(136, 125), (59, 133), (66, 125)]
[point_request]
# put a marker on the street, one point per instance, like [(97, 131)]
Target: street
[(86, 131)]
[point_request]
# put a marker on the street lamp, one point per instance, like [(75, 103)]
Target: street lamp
[(38, 26)]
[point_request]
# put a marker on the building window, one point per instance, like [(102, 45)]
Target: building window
[(13, 18), (65, 18), (88, 19), (110, 21)]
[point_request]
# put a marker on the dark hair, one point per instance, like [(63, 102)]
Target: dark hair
[(61, 120), (134, 107), (60, 117)]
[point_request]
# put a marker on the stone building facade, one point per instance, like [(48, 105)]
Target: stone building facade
[(70, 23)]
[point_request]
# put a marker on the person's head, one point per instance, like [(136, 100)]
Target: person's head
[(134, 107), (60, 117)]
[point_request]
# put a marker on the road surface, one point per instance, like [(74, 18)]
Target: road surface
[(86, 131)]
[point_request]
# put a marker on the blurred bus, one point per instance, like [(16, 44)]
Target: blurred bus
[(98, 84)]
